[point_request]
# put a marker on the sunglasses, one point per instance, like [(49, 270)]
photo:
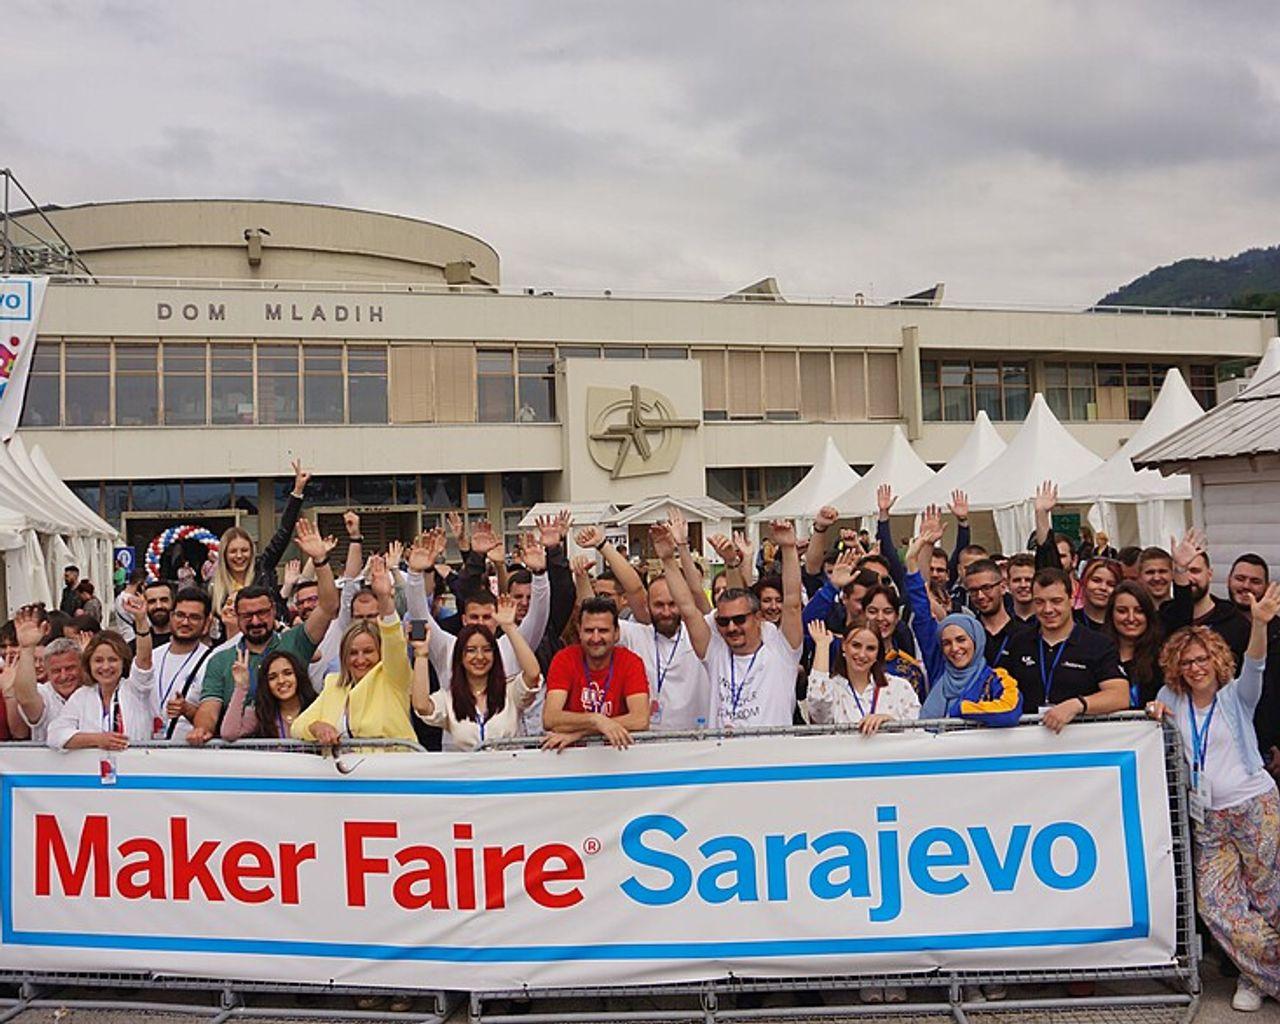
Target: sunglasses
[(732, 620)]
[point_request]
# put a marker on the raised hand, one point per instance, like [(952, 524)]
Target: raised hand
[(240, 669), (457, 529), (483, 539), (745, 548), (826, 517), (27, 625), (351, 522), (931, 524), (395, 554), (783, 532), (664, 544), (841, 574), (1186, 551), (679, 526), (1264, 608), (819, 634), (590, 537), (535, 554), (300, 477), (1046, 496), (504, 615), (583, 564), (135, 606), (723, 547), (885, 499), (292, 572), (380, 578), (549, 533), (960, 504), (310, 543), (497, 555), (564, 523)]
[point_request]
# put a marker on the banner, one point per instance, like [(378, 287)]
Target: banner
[(21, 299), (1010, 849)]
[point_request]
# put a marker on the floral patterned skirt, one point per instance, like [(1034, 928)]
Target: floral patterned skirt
[(1237, 861)]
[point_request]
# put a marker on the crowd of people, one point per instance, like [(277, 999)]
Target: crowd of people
[(838, 627)]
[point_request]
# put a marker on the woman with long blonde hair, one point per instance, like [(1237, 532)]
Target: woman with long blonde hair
[(237, 567)]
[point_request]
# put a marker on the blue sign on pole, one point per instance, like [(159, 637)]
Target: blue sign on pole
[(125, 558)]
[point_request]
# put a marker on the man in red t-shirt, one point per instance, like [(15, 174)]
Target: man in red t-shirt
[(594, 685)]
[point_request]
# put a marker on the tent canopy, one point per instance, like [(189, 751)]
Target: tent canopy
[(1116, 480), (898, 466), (1269, 365), (981, 447), (1042, 449), (830, 477)]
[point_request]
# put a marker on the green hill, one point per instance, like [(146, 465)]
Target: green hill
[(1249, 280)]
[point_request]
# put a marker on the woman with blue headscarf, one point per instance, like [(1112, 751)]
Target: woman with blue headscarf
[(961, 683)]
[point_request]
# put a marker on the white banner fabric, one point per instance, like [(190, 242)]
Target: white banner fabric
[(674, 861), (21, 299)]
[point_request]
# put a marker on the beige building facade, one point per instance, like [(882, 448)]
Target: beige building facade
[(219, 340)]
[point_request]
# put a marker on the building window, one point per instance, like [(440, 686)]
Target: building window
[(1203, 381), (43, 407), (231, 384), (137, 386), (955, 390), (495, 385), (623, 352), (185, 381), (322, 383), (537, 385), (277, 384), (366, 384), (749, 490), (88, 384), (520, 492), (579, 351)]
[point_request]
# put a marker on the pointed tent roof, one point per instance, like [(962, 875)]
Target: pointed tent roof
[(654, 510), (981, 447), (898, 466), (1269, 365), (830, 477), (1042, 449), (1116, 480)]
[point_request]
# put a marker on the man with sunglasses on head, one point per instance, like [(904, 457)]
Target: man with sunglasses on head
[(984, 589), (751, 663)]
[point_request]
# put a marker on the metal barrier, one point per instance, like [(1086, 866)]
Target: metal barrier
[(1163, 993)]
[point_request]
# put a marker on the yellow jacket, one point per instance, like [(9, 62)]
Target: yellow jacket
[(377, 707)]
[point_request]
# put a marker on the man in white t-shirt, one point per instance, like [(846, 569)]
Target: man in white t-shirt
[(751, 663), (678, 684), (40, 703), (179, 665)]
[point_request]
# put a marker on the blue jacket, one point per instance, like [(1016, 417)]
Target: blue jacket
[(1237, 701), (992, 698)]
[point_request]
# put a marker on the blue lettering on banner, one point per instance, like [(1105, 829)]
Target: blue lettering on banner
[(1062, 855), (15, 300)]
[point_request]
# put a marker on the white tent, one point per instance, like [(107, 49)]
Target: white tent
[(1160, 500), (1269, 365), (1042, 449), (898, 466), (830, 477), (981, 447)]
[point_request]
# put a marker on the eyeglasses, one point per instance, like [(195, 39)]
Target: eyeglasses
[(982, 589), (1201, 662), (724, 621), (187, 616), (265, 613)]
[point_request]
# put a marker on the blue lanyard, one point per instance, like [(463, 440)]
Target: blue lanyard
[(660, 671), (1000, 653), (481, 717), (608, 685), (736, 688), (1200, 739), (164, 697), (875, 696), (1046, 679)]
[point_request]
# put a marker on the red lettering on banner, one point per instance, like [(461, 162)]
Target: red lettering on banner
[(464, 869), (537, 873), (188, 868), (496, 862), (435, 875), (291, 857), (354, 833), (150, 868), (245, 861), (91, 852)]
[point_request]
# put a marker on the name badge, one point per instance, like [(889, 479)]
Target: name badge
[(1199, 799)]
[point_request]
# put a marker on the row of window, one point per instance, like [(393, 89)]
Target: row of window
[(956, 390)]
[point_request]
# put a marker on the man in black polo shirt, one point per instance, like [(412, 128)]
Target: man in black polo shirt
[(984, 586), (1064, 669)]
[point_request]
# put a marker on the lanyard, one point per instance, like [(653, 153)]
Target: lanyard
[(481, 718), (112, 719), (736, 688), (1046, 679), (660, 670), (1000, 653), (166, 690), (1200, 739), (875, 696), (280, 726), (601, 703)]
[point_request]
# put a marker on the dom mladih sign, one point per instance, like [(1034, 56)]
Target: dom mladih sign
[(679, 861), (20, 302)]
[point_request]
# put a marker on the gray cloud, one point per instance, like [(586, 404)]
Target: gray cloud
[(1042, 151)]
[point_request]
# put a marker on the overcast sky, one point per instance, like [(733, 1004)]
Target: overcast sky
[(1032, 152)]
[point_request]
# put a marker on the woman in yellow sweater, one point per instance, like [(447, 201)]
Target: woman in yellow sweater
[(369, 698)]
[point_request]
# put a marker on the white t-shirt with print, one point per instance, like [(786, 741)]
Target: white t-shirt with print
[(752, 691), (684, 693)]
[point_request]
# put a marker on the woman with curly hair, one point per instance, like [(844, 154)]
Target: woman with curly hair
[(1235, 807)]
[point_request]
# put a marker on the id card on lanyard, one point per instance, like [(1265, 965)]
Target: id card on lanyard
[(660, 674), (1201, 796), (735, 687), (596, 700), (1046, 678)]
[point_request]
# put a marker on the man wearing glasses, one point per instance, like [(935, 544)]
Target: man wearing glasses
[(179, 664), (751, 663), (255, 609), (984, 590)]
